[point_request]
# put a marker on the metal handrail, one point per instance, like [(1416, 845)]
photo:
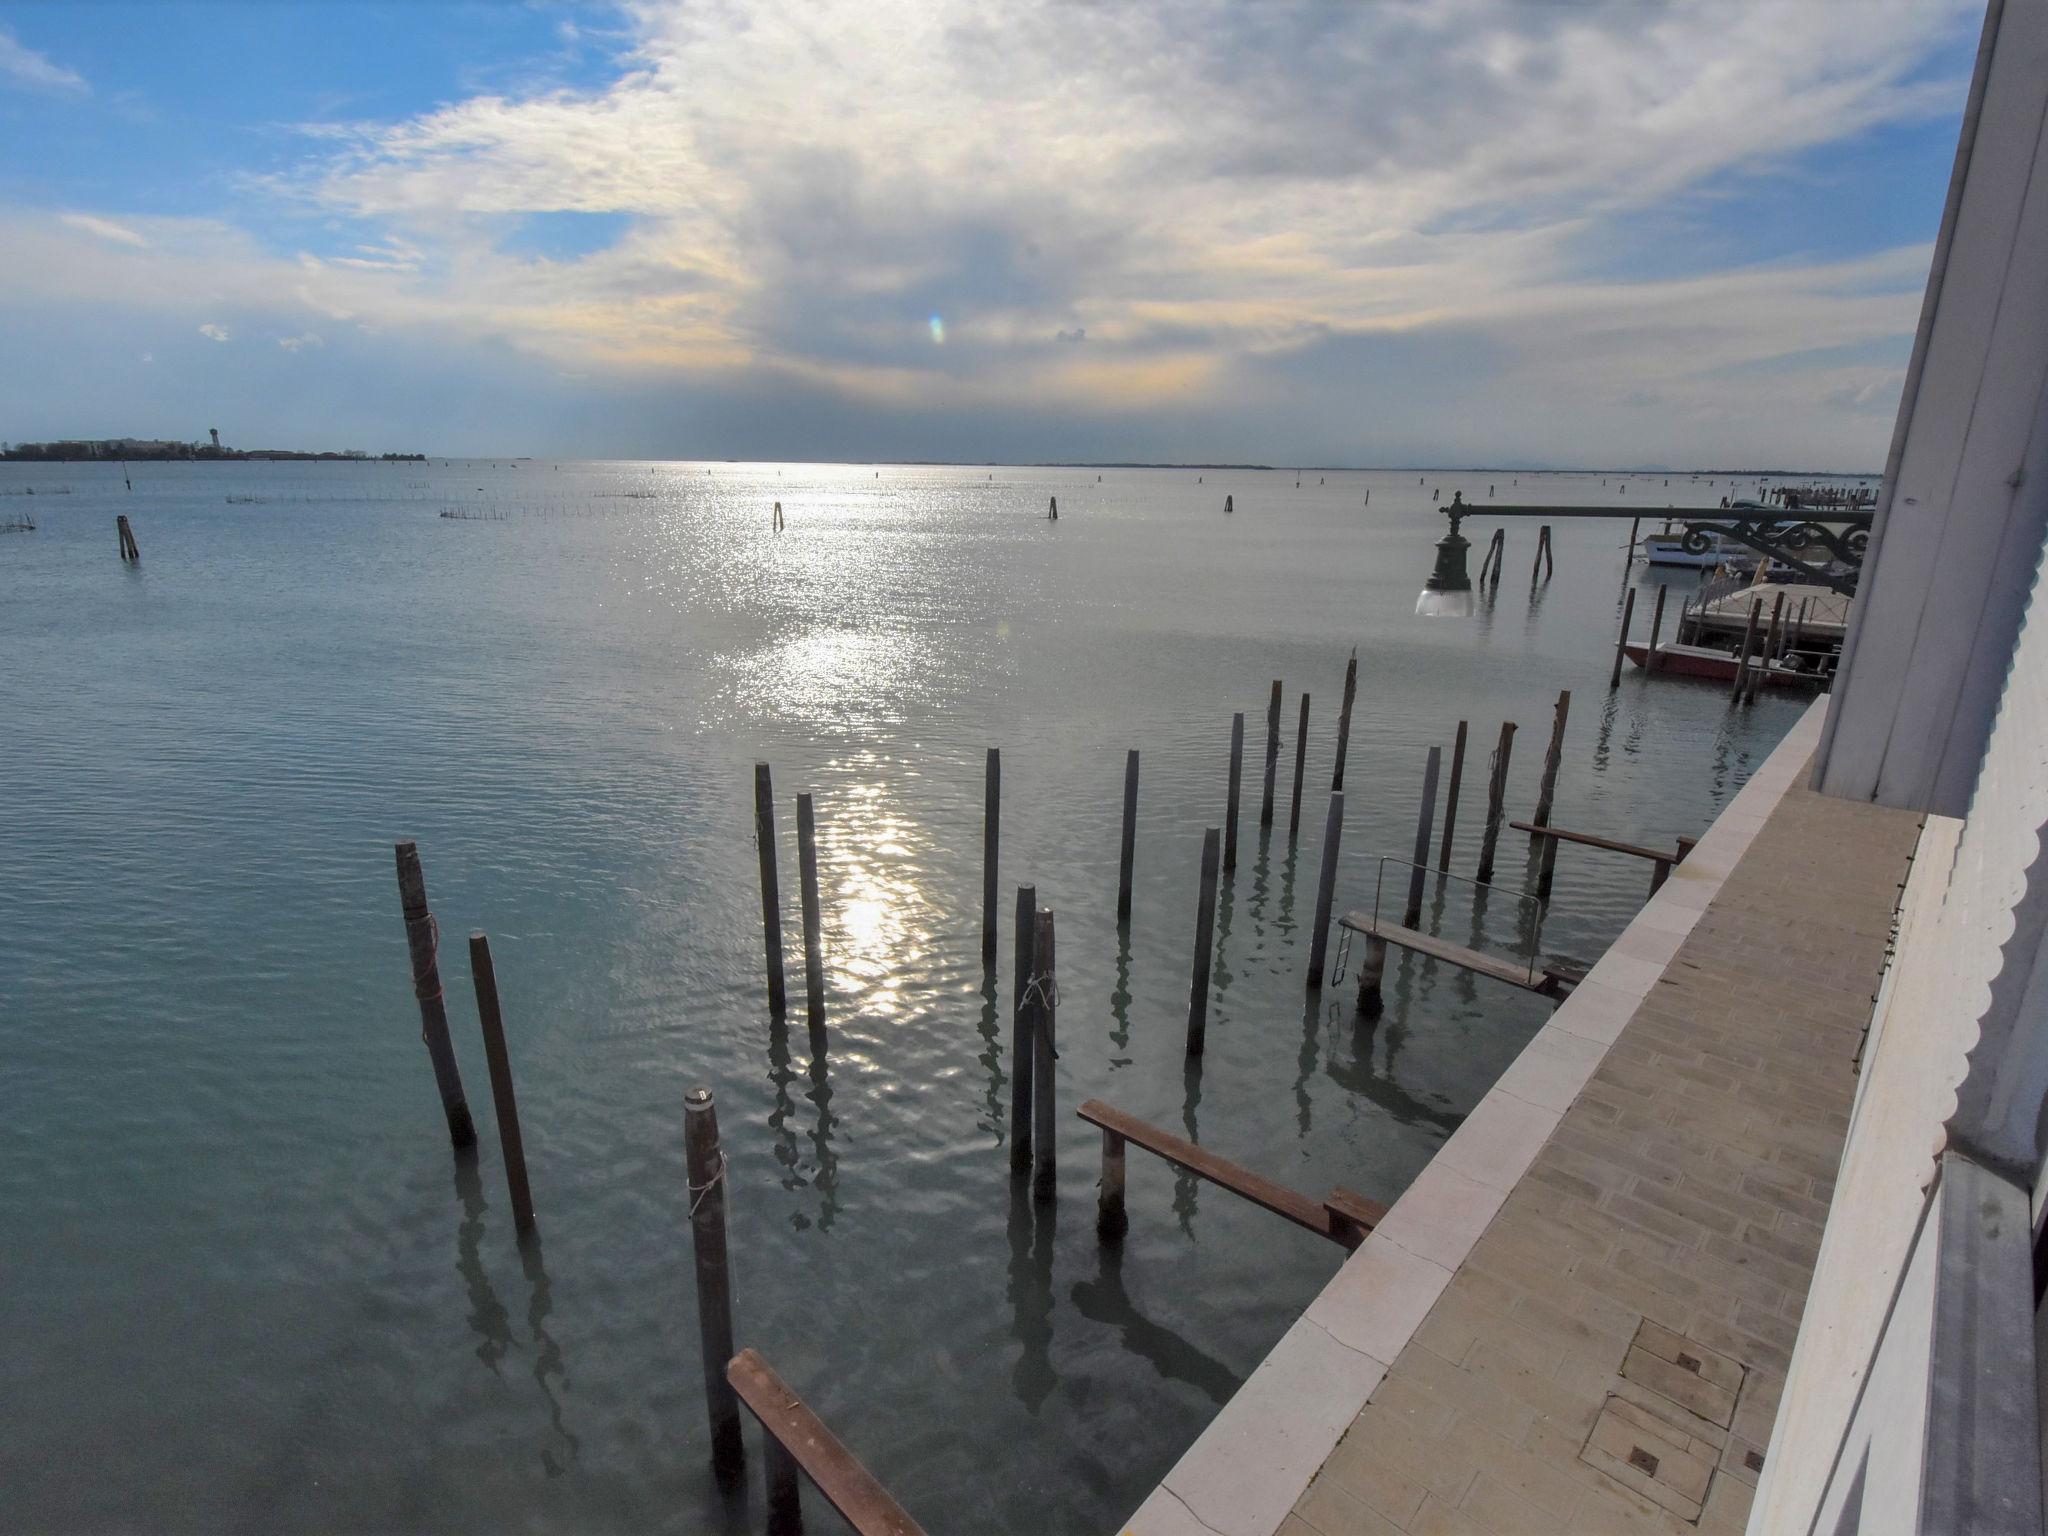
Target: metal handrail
[(1519, 897)]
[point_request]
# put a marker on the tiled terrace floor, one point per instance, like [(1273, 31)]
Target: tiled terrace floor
[(1684, 1188)]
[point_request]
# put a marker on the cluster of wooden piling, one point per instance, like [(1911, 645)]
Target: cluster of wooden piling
[(127, 538)]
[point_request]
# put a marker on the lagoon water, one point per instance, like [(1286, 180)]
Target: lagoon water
[(244, 1286)]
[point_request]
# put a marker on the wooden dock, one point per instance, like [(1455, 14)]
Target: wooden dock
[(1554, 980), (1821, 612)]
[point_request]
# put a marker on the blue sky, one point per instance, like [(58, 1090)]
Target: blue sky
[(1385, 231)]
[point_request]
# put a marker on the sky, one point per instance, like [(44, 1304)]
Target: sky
[(1543, 233)]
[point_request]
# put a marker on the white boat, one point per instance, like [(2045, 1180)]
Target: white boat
[(1669, 549)]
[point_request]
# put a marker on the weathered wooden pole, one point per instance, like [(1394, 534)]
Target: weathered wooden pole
[(1344, 718), (771, 886), (1052, 513), (1760, 674), (1372, 967), (1496, 792), (814, 941), (1110, 1221), (1656, 629), (1129, 852), (1230, 804), (1326, 890), (1628, 613), (784, 1479), (1044, 1053), (1627, 565), (1443, 857), (1547, 790), (1229, 505), (127, 537), (991, 847), (1425, 824), (1023, 1021), (423, 939), (1300, 763), (706, 1165), (1205, 943), (502, 1096), (1271, 780), (1756, 605)]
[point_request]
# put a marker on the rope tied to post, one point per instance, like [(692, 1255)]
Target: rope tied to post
[(1044, 990), (699, 1191), (426, 969)]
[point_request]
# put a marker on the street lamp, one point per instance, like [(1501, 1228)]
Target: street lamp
[(1448, 592)]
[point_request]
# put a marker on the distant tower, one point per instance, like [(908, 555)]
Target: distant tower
[(216, 436)]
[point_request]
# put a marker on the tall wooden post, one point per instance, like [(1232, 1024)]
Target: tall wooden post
[(1656, 629), (1443, 857), (1272, 756), (127, 537), (1547, 790), (1300, 763), (1761, 674), (503, 1098), (1326, 890), (1496, 793), (1628, 565), (1230, 805), (1044, 1053), (1425, 824), (814, 942), (1756, 605), (423, 939), (1205, 944), (771, 885), (1344, 718), (706, 1165), (1023, 1021), (1628, 613), (991, 844), (1110, 1221), (1129, 852)]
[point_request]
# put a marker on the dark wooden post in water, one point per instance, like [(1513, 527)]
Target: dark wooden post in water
[(1656, 629), (1760, 674), (1546, 792), (1205, 943), (1425, 824), (1128, 854), (1544, 566), (1344, 718), (706, 1165), (1044, 1053), (502, 1096), (1443, 857), (1229, 505), (1628, 565), (1496, 791), (1272, 756), (127, 537), (1230, 805), (1052, 513), (1326, 890), (814, 942), (991, 843), (1628, 613), (1023, 1052), (771, 886), (422, 938), (1110, 1221), (1300, 763), (1756, 605)]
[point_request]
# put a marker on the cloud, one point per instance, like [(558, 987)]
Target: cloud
[(300, 343), (214, 332), (24, 66), (105, 229)]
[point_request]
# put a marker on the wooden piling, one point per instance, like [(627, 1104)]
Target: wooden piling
[(1110, 1220), (1425, 824), (1326, 890), (1544, 566), (1044, 1053), (991, 847), (1443, 857), (1628, 613), (1546, 792), (1496, 792), (706, 1165), (1628, 565), (1344, 719), (1272, 756), (506, 1102), (1023, 1052), (785, 1512), (1127, 855), (814, 941), (1756, 605), (127, 537), (1230, 804), (1229, 505), (1768, 659), (1052, 512), (1372, 969), (1656, 629), (771, 887), (1300, 764), (423, 939), (1205, 943)]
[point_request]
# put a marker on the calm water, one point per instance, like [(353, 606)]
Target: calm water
[(243, 1284)]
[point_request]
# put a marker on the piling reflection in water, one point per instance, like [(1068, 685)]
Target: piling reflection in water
[(1104, 1301), (488, 1319), (1032, 1228)]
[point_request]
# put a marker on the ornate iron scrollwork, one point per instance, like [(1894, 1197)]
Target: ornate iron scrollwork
[(1793, 541)]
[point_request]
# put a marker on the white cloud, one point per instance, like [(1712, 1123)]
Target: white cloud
[(24, 66), (300, 343), (106, 229), (214, 332)]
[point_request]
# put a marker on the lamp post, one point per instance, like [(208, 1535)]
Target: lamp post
[(1448, 592)]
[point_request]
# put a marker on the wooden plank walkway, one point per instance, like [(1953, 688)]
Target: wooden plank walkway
[(835, 1472), (1553, 980)]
